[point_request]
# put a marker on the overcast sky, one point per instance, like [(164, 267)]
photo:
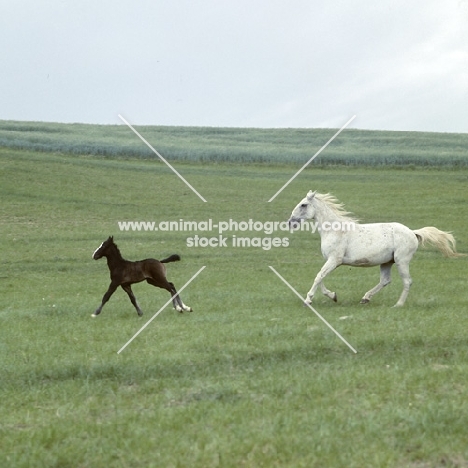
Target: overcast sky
[(397, 65)]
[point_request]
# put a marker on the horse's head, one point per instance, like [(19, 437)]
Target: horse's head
[(304, 210), (102, 250)]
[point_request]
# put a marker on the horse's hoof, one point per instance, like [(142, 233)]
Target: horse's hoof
[(335, 298), (93, 315), (364, 301)]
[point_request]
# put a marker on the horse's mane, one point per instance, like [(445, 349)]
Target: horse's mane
[(116, 249), (335, 206)]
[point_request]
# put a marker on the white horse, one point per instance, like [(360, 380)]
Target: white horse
[(346, 242)]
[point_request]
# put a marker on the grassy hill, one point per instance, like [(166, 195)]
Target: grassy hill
[(251, 377), (241, 145)]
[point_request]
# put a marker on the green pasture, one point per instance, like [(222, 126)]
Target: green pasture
[(251, 377), (241, 145)]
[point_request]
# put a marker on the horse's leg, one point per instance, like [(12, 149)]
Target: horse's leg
[(176, 301), (332, 295), (403, 269), (179, 299), (167, 286), (106, 297), (327, 268), (128, 289), (385, 279)]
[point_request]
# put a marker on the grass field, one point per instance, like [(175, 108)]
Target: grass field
[(251, 377), (241, 145)]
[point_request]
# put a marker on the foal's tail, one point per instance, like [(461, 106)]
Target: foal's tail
[(443, 241), (172, 258)]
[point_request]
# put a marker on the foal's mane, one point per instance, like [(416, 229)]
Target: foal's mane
[(333, 204), (116, 249)]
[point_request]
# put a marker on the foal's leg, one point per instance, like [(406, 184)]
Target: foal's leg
[(106, 297), (128, 289), (403, 269), (179, 299), (329, 266), (176, 300), (385, 279)]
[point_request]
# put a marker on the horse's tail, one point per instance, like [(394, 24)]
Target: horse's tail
[(443, 241), (172, 258)]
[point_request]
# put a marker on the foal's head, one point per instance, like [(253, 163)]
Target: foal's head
[(105, 248)]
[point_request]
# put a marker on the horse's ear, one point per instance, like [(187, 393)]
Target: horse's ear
[(111, 238), (311, 195)]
